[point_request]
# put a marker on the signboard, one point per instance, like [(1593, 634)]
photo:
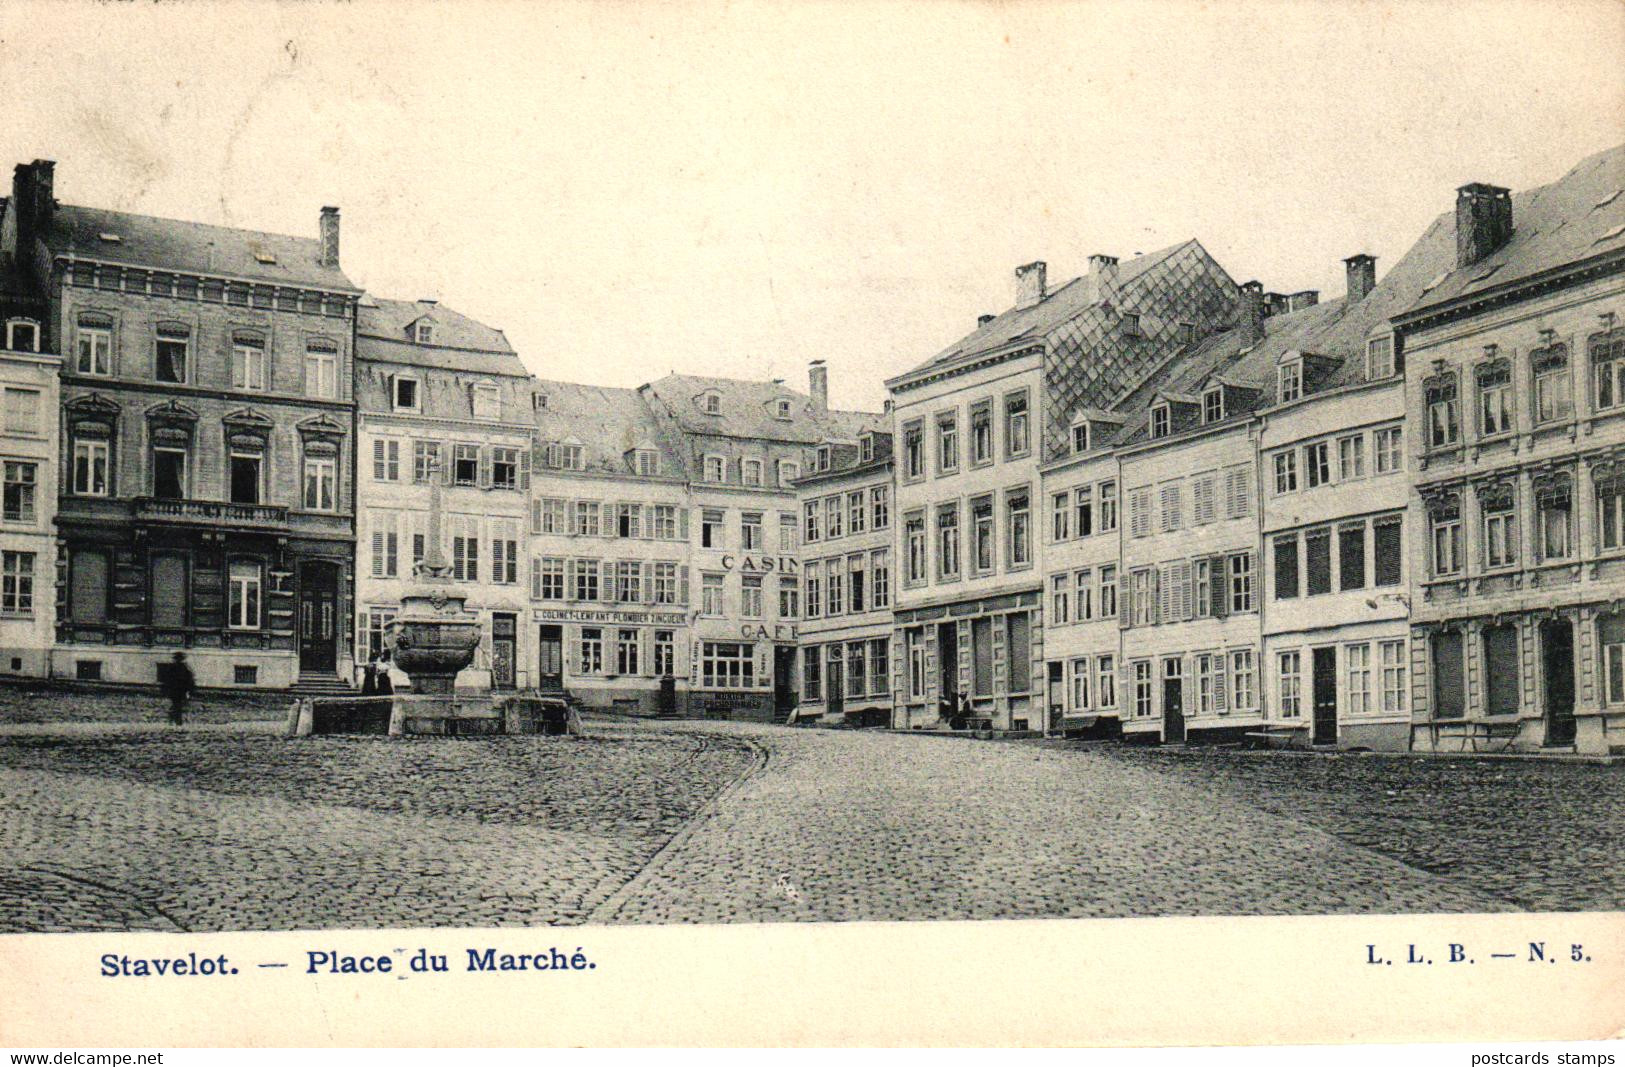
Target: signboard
[(648, 618)]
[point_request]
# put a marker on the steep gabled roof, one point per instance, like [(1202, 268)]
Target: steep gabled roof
[(607, 423), (459, 344), (1036, 320), (749, 409), (191, 247), (1578, 217)]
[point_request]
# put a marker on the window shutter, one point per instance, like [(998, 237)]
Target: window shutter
[(1218, 681), (646, 583), (682, 585), (682, 524), (378, 467), (1158, 590), (574, 517), (524, 468), (377, 552), (606, 582), (1182, 580), (536, 516), (535, 578), (485, 467), (1219, 591), (445, 456)]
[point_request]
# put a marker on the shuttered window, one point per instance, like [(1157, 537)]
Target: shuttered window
[(1286, 566), (1449, 697), (1317, 546), (1387, 550), (1501, 670), (1203, 499), (1351, 557), (1238, 493)]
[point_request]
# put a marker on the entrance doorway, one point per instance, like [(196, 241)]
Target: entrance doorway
[(1173, 700), (948, 666), (834, 680), (1557, 666), (1057, 693), (504, 638), (318, 615), (1324, 690), (784, 686), (550, 659)]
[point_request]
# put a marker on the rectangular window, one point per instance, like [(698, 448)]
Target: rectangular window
[(857, 587), (170, 354), (95, 347), (1500, 670), (982, 534), (1495, 399), (947, 443), (375, 626), (321, 371), (628, 581), (981, 432), (1392, 662), (856, 681), (1080, 685), (1083, 510), (880, 507), (1142, 689), (879, 666), (789, 532), (1108, 591), (1060, 601), (880, 578), (1213, 405), (1611, 638), (711, 532), (1444, 420), (1500, 532), (425, 460), (504, 468), (21, 482), (1241, 581), (981, 640), (1105, 681), (1108, 507), (788, 472), (1446, 544), (834, 517), (789, 597), (90, 468), (1018, 648), (1554, 386), (1238, 491), (386, 545), (716, 469), (1141, 611), (1611, 513), (243, 581), (1289, 378), (551, 585), (914, 450), (664, 520), (17, 583), (1060, 516), (1287, 585), (465, 550), (404, 391), (1204, 499), (22, 414), (914, 544), (1317, 466), (814, 522), (1016, 440), (591, 648), (750, 531), (1317, 562), (1351, 557), (857, 512), (465, 464), (711, 594), (1357, 666), (1170, 507), (727, 665), (835, 589), (1387, 448), (1202, 588), (665, 654), (1387, 550), (1286, 472), (319, 484), (1379, 356), (1139, 512), (1289, 673), (814, 577), (585, 572), (1083, 587), (626, 651), (169, 473), (1555, 520), (812, 679), (1018, 528), (750, 596), (386, 459), (1449, 686), (1351, 457), (665, 582), (1161, 420), (1243, 680), (750, 471)]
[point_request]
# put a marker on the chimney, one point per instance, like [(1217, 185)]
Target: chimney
[(983, 320), (1029, 284), (1275, 303), (818, 385), (1251, 317), (1099, 264), (1362, 273), (1304, 298), (1483, 221), (330, 237), (33, 199)]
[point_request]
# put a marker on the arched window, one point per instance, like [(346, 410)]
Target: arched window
[(22, 335), (1554, 384)]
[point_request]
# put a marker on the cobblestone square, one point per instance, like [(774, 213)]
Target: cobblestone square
[(228, 826)]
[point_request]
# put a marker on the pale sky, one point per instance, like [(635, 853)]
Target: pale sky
[(738, 188)]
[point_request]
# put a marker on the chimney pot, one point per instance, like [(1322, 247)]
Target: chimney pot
[(1275, 303), (1101, 264), (1251, 314), (1030, 284), (1483, 221), (1362, 276), (329, 227), (1304, 298), (818, 386)]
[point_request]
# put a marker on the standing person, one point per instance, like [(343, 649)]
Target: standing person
[(369, 676), (383, 686), (178, 684)]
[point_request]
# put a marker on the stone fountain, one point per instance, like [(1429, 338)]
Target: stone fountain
[(431, 640)]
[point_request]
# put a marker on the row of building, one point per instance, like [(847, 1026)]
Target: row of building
[(1151, 500)]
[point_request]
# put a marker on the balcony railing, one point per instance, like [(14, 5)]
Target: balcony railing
[(210, 512)]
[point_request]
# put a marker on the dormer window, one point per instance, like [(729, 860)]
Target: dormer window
[(1379, 358), (782, 408), (405, 390), (1187, 332), (867, 447), (821, 462), (1289, 378), (572, 457), (1131, 324), (716, 468), (1080, 437), (711, 403), (110, 238), (1161, 420), (486, 401), (646, 461), (1213, 405), (22, 335), (424, 333), (538, 401), (789, 471)]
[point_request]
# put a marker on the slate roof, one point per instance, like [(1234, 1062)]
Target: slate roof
[(460, 343), (1332, 329), (1578, 217), (607, 423), (847, 461), (748, 410), (1058, 305), (171, 244)]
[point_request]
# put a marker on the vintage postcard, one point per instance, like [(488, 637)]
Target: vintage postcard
[(880, 523)]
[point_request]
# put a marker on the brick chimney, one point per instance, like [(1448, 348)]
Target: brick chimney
[(1362, 274), (1251, 313), (983, 320), (33, 199), (1030, 284), (1101, 264), (818, 386), (1276, 303), (1483, 221), (330, 237), (1304, 298)]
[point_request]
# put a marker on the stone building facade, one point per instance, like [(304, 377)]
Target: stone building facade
[(206, 442), (443, 398), (847, 573), (1515, 369)]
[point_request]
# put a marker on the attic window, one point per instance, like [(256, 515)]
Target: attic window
[(538, 401), (867, 447), (646, 461), (424, 333), (1289, 377), (1080, 437), (1131, 324), (1379, 358), (22, 335), (821, 460), (1187, 332), (405, 392), (1213, 405), (486, 402), (1161, 422), (711, 403), (783, 408), (110, 238), (265, 257)]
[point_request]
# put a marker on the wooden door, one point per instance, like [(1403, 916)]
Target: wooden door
[(1173, 700), (504, 631), (1557, 661), (1324, 690), (550, 659), (318, 615)]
